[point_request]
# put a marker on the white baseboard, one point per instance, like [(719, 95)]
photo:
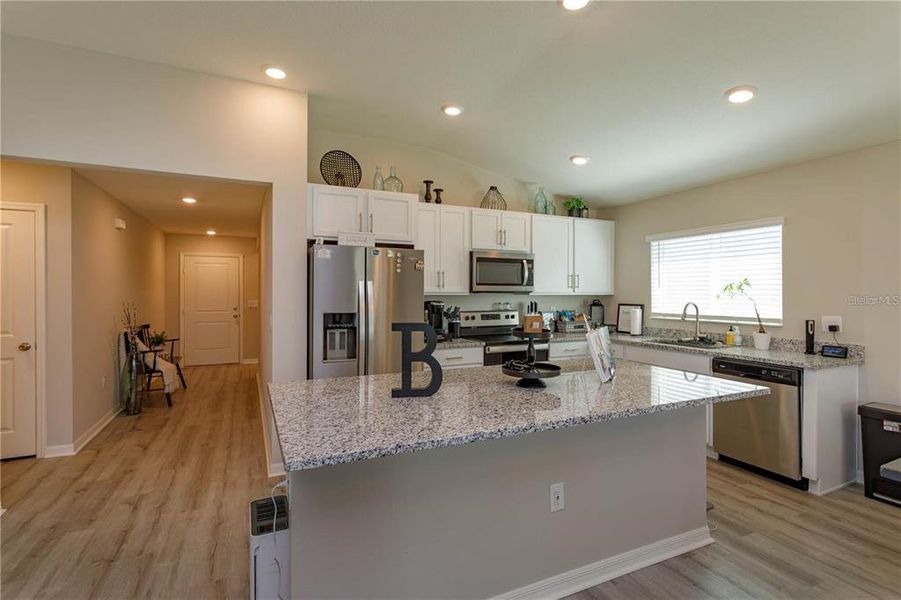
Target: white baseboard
[(585, 577), (96, 428), (250, 361), (273, 468), (860, 476), (816, 491), (60, 450)]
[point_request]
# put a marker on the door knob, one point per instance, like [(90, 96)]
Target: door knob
[(24, 347)]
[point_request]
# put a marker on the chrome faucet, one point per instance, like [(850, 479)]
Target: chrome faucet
[(697, 318)]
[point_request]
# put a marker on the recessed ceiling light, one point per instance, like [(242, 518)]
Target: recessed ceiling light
[(740, 94), (189, 200), (274, 72), (574, 4), (579, 160), (452, 110), (211, 232)]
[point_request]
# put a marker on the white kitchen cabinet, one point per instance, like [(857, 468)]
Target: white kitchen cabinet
[(454, 246), (392, 215), (442, 233), (553, 249), (333, 209), (455, 358), (681, 361), (593, 256), (501, 230), (572, 255), (427, 219)]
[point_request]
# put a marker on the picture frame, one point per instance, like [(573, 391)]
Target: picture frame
[(623, 320)]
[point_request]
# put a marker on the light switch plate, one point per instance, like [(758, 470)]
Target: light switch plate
[(827, 321)]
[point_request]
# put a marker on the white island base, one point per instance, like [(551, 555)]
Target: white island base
[(474, 521)]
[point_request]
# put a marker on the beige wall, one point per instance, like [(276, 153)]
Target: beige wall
[(159, 118), (51, 186), (219, 244), (464, 184), (841, 238), (109, 267)]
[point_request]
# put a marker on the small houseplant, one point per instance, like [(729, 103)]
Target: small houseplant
[(157, 338), (574, 206), (742, 288)]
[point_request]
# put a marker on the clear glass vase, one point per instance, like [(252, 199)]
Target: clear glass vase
[(378, 182), (493, 200), (393, 184), (540, 202)]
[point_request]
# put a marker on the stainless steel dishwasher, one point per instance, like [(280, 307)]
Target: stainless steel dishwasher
[(762, 434)]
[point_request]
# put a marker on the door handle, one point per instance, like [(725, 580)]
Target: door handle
[(370, 222), (24, 347), (235, 316)]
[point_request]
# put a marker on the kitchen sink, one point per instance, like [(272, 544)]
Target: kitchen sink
[(690, 342)]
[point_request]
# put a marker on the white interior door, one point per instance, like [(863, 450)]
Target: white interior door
[(211, 308), (18, 382)]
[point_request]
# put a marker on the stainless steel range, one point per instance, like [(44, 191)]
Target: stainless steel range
[(494, 327)]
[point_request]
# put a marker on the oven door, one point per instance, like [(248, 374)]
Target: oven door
[(501, 353), (510, 272)]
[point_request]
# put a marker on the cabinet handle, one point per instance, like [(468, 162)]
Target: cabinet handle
[(441, 279), (570, 350), (453, 358), (505, 237), (498, 238), (578, 281), (360, 222), (370, 223)]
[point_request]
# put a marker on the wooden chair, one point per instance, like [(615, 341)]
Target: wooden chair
[(143, 334), (147, 367)]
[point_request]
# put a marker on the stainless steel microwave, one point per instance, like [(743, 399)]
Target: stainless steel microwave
[(493, 271)]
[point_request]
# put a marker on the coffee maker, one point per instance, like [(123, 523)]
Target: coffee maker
[(434, 316)]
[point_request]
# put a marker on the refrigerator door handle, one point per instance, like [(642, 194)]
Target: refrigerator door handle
[(370, 322), (361, 328)]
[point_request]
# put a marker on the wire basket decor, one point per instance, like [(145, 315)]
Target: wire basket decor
[(340, 168)]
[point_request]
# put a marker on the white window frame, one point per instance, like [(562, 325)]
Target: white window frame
[(728, 227)]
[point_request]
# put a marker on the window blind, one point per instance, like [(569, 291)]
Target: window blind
[(694, 267)]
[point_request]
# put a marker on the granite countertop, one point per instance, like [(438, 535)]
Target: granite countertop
[(347, 419), (774, 356)]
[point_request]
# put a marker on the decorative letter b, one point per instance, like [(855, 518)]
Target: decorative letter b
[(407, 357)]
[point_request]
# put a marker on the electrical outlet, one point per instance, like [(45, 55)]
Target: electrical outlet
[(825, 322), (557, 500)]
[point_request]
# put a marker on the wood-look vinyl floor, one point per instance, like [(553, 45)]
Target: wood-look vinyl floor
[(156, 507), (776, 542)]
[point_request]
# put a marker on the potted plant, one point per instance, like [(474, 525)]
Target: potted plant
[(157, 339), (574, 206), (742, 288)]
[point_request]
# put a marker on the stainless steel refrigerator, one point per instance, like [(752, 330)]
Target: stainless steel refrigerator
[(355, 295)]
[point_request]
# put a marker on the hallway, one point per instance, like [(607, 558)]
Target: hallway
[(155, 506)]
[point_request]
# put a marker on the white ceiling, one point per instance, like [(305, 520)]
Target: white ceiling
[(228, 207), (637, 86)]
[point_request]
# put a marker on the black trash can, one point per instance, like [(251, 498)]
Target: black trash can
[(880, 432)]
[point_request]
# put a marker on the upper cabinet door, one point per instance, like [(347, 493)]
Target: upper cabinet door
[(333, 209), (552, 244), (516, 232), (593, 256), (454, 249), (486, 229), (391, 216), (427, 232)]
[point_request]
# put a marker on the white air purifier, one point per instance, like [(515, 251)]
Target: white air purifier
[(270, 550)]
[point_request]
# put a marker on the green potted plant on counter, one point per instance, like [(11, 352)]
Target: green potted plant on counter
[(574, 206), (742, 289)]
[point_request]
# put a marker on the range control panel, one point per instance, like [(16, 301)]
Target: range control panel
[(489, 318)]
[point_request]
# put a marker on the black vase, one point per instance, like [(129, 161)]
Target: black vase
[(575, 212), (428, 190), (438, 195)]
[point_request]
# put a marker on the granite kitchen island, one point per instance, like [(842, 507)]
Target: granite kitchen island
[(449, 496)]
